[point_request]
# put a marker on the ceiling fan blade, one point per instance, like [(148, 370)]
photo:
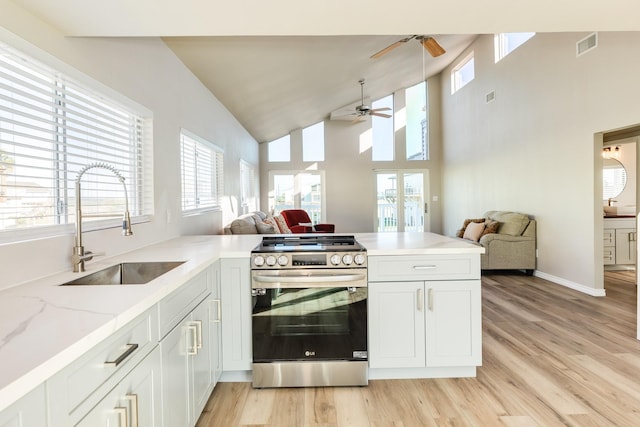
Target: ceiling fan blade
[(391, 47), (386, 116), (432, 46), (380, 109), (358, 119)]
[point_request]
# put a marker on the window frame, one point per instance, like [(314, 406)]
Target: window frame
[(308, 143), (215, 173), (297, 199), (79, 98), (502, 46), (456, 73)]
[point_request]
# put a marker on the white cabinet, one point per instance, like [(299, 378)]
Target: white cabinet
[(134, 401), (189, 352), (29, 411), (76, 389), (235, 277), (427, 323), (619, 241)]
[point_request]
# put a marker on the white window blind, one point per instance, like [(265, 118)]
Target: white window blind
[(202, 172), (50, 128)]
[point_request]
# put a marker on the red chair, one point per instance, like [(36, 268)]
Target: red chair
[(299, 222)]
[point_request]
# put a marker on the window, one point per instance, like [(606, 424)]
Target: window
[(280, 149), (298, 190), (249, 190), (401, 201), (417, 139), (51, 127), (382, 131), (462, 73), (313, 143), (201, 173), (505, 43)]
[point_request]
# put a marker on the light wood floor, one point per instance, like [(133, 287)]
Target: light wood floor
[(551, 357)]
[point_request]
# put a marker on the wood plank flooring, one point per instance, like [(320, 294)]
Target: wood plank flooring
[(551, 357)]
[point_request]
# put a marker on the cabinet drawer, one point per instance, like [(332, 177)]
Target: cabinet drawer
[(609, 237), (424, 267), (609, 256), (182, 301), (70, 390)]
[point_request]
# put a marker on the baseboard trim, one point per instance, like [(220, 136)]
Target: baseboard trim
[(571, 285)]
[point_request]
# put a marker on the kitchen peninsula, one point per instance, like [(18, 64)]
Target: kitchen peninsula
[(45, 328)]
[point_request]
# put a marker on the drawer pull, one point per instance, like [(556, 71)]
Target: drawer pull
[(130, 349), (424, 267), (192, 349), (419, 299), (218, 318), (430, 298)]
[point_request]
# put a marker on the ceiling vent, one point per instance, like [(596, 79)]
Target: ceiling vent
[(586, 44)]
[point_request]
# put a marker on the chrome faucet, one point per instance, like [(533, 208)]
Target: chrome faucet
[(79, 256)]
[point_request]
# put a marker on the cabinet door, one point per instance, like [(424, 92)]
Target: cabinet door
[(176, 375), (29, 411), (216, 323), (236, 310), (625, 246), (135, 401), (454, 323), (396, 325), (202, 361)]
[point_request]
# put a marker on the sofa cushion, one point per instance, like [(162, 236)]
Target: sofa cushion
[(460, 233), (245, 224), (511, 223), (473, 231), (266, 227)]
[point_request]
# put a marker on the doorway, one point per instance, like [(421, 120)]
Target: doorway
[(401, 201)]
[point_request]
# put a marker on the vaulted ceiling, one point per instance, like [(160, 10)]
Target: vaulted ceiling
[(284, 64)]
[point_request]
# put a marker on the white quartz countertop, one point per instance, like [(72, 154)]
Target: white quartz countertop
[(44, 327)]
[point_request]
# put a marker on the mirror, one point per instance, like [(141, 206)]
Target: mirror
[(614, 178)]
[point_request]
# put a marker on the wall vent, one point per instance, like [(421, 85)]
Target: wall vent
[(586, 44), (491, 96)]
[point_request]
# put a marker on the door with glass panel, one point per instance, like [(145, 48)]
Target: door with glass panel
[(402, 201)]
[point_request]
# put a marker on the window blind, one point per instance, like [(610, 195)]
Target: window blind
[(50, 128), (202, 172)]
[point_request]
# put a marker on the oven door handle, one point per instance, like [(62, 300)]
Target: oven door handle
[(306, 279)]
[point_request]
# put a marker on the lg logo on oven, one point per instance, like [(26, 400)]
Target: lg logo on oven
[(309, 353)]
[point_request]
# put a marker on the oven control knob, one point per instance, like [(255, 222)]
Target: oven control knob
[(283, 260), (271, 260), (347, 259), (359, 259), (258, 260), (335, 259)]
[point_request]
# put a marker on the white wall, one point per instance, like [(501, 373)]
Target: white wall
[(532, 149), (148, 73), (349, 171)]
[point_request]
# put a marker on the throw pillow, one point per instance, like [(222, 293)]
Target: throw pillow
[(460, 233), (245, 225), (473, 231), (282, 224), (271, 220), (266, 227), (490, 227)]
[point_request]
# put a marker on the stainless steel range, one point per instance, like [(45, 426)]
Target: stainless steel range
[(309, 317)]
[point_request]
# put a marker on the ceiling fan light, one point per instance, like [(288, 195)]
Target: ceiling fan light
[(432, 46)]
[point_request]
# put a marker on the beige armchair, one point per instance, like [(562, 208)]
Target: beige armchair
[(513, 246)]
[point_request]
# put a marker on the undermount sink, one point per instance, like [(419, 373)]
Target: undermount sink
[(127, 273)]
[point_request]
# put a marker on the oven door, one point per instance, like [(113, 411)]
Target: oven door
[(309, 315)]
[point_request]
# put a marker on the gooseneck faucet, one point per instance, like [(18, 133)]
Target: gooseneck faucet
[(79, 256)]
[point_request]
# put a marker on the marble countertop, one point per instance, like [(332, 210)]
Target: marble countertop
[(44, 327)]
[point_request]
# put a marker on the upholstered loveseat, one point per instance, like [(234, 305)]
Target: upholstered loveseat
[(509, 239)]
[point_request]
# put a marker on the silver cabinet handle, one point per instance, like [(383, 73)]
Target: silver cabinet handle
[(122, 414), (134, 409), (424, 267), (130, 349), (430, 297), (419, 297), (199, 335), (218, 318), (192, 349)]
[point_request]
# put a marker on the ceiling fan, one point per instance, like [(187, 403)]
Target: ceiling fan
[(362, 111), (429, 43)]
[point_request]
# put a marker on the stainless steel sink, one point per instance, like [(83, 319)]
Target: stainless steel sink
[(127, 273)]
